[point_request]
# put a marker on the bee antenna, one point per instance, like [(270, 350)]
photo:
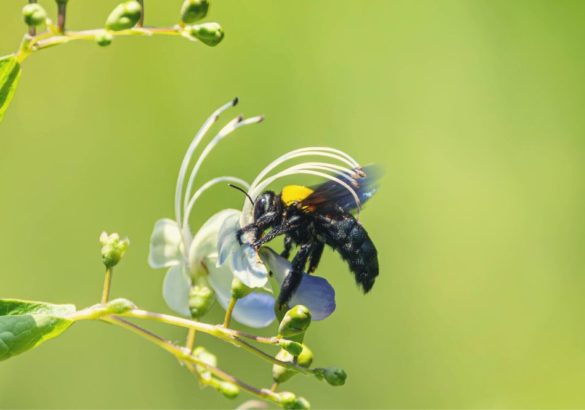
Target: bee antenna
[(242, 191)]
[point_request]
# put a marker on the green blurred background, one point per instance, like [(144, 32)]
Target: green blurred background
[(475, 110)]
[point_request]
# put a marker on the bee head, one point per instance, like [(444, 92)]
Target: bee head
[(265, 203)]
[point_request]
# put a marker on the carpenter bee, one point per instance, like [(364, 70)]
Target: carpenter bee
[(311, 218)]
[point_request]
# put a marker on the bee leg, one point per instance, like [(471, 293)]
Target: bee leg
[(295, 276), (258, 226), (289, 225), (288, 244), (315, 257)]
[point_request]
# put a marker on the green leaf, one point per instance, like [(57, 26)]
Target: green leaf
[(24, 325), (9, 76)]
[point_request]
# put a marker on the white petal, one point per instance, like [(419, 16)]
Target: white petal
[(247, 267), (205, 241), (255, 310), (314, 292), (166, 246), (227, 240), (176, 289)]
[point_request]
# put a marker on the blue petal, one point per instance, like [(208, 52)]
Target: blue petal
[(314, 292), (255, 310), (317, 294)]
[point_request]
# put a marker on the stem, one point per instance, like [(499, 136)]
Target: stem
[(229, 311), (228, 335), (62, 14), (191, 336), (32, 30), (107, 285), (184, 355), (141, 20)]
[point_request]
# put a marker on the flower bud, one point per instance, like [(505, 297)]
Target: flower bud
[(201, 298), (119, 306), (194, 10), (113, 248), (289, 400), (205, 356), (210, 34), (104, 38), (333, 375), (229, 390), (34, 14), (239, 290), (295, 321), (294, 348), (281, 374), (124, 16)]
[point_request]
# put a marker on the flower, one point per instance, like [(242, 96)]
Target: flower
[(214, 256), (191, 260)]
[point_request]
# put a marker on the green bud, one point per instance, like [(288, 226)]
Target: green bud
[(194, 10), (229, 390), (210, 34), (289, 400), (34, 14), (201, 298), (119, 306), (294, 348), (333, 375), (281, 374), (113, 248), (295, 321), (239, 290), (124, 16), (205, 356), (104, 38)]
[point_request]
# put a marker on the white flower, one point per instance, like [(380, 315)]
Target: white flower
[(189, 257)]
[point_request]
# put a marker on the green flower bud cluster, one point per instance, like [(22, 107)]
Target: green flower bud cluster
[(281, 374), (201, 297), (209, 34), (194, 10), (239, 290), (290, 400), (226, 388), (34, 14), (295, 322), (332, 375), (124, 16), (113, 248)]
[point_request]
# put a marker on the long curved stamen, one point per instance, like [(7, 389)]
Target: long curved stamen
[(224, 132), (307, 151), (208, 185), (297, 169), (187, 159)]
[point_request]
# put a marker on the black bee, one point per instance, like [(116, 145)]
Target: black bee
[(311, 218)]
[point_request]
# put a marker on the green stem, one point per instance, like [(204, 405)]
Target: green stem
[(229, 311), (183, 354), (107, 285), (228, 335)]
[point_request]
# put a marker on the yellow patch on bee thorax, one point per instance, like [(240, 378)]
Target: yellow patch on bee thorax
[(292, 194)]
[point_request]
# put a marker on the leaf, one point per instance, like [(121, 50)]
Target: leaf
[(9, 76), (24, 325)]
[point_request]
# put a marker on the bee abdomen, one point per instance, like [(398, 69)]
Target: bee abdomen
[(345, 235)]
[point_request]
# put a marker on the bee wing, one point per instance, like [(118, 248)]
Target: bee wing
[(331, 194)]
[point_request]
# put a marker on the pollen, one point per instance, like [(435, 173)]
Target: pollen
[(295, 193)]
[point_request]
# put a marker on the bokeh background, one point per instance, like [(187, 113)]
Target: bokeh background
[(474, 109)]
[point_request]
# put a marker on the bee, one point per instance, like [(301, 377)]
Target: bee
[(310, 218)]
